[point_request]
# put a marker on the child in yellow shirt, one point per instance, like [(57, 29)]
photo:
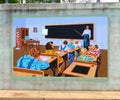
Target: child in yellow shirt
[(50, 50)]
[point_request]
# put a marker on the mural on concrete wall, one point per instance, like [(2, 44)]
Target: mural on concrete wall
[(60, 46)]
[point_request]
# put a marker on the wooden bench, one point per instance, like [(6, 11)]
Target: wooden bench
[(26, 72)]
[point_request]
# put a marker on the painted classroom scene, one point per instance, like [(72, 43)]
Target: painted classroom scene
[(60, 46)]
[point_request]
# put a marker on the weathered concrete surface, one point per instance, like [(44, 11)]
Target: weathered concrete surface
[(7, 12)]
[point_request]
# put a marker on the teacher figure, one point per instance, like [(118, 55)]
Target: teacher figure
[(86, 37)]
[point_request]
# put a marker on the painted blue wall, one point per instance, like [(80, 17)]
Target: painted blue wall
[(101, 30)]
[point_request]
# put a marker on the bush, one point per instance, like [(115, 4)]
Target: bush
[(9, 1), (2, 1), (13, 1), (31, 1)]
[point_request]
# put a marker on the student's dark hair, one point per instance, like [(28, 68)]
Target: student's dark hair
[(51, 42), (48, 46), (65, 42), (96, 46)]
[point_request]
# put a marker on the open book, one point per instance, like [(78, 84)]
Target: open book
[(44, 58)]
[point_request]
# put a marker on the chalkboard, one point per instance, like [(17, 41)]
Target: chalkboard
[(68, 31), (81, 69)]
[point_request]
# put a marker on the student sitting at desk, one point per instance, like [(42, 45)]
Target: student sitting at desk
[(77, 46), (64, 46), (98, 52), (50, 50), (83, 56), (32, 61), (93, 50), (52, 44), (71, 49)]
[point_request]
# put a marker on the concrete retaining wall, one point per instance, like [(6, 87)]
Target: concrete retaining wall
[(9, 11)]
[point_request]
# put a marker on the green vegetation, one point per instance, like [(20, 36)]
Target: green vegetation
[(2, 1), (43, 1), (9, 1), (30, 1)]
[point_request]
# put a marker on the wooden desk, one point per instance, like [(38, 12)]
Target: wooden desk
[(51, 58), (97, 60), (28, 42), (91, 72), (52, 61), (26, 72), (64, 55), (60, 53)]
